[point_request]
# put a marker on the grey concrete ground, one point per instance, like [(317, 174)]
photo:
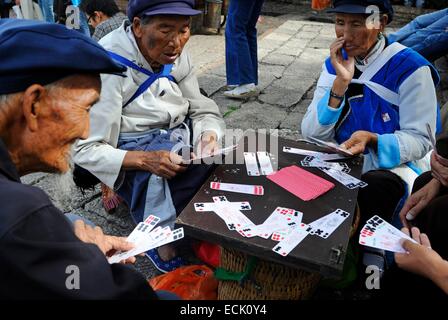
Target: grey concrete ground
[(291, 52)]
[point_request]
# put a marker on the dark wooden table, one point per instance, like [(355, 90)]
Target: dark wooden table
[(314, 254)]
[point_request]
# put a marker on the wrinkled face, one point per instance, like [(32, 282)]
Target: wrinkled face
[(162, 40), (359, 38), (64, 118)]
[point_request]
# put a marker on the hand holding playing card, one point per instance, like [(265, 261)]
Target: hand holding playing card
[(421, 259), (107, 244), (418, 201), (207, 145), (359, 141)]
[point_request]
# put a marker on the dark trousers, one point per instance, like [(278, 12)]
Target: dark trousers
[(381, 197), (433, 220), (241, 41), (185, 185)]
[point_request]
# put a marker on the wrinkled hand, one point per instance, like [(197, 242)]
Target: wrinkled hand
[(359, 141), (420, 258), (439, 168), (345, 69), (107, 244), (208, 144), (418, 201), (163, 163)]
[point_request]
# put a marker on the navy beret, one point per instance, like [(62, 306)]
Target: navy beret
[(138, 8), (359, 6), (33, 52)]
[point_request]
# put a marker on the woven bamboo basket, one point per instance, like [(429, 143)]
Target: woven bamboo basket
[(269, 280)]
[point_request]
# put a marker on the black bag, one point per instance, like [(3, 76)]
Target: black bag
[(84, 179)]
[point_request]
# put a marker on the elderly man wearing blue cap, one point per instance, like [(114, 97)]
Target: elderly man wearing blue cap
[(45, 99), (140, 119), (375, 98)]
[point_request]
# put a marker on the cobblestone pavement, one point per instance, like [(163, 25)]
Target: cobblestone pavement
[(291, 52)]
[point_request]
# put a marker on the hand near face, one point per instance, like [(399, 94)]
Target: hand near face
[(359, 141), (345, 69), (107, 244), (418, 201), (421, 259), (439, 168)]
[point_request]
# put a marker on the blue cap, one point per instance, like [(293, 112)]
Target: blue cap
[(360, 7), (33, 52), (138, 8)]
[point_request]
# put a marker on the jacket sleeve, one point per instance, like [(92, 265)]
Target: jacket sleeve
[(418, 106), (98, 153), (203, 111), (43, 259), (320, 118)]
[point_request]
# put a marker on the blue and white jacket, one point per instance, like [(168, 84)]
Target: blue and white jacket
[(398, 99)]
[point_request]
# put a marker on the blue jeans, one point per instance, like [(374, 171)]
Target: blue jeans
[(47, 9), (427, 34), (241, 41)]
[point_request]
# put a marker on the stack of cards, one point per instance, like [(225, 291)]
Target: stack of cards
[(377, 233), (310, 161), (239, 188), (301, 183), (145, 238), (250, 158)]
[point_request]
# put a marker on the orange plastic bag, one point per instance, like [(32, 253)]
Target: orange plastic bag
[(320, 4), (195, 282)]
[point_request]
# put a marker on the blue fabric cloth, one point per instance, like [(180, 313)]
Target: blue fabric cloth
[(241, 41), (144, 192), (47, 9), (326, 114), (427, 34)]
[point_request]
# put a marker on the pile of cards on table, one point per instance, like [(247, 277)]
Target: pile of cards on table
[(284, 225), (301, 183), (145, 238), (377, 233)]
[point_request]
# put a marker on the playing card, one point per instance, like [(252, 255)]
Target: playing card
[(344, 178), (331, 146), (378, 233), (210, 206), (251, 164), (234, 218), (152, 220), (199, 158), (281, 219), (291, 241), (265, 163), (325, 226), (240, 188), (320, 155), (316, 162)]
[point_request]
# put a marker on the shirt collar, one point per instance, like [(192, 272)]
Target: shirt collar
[(7, 168), (377, 49)]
